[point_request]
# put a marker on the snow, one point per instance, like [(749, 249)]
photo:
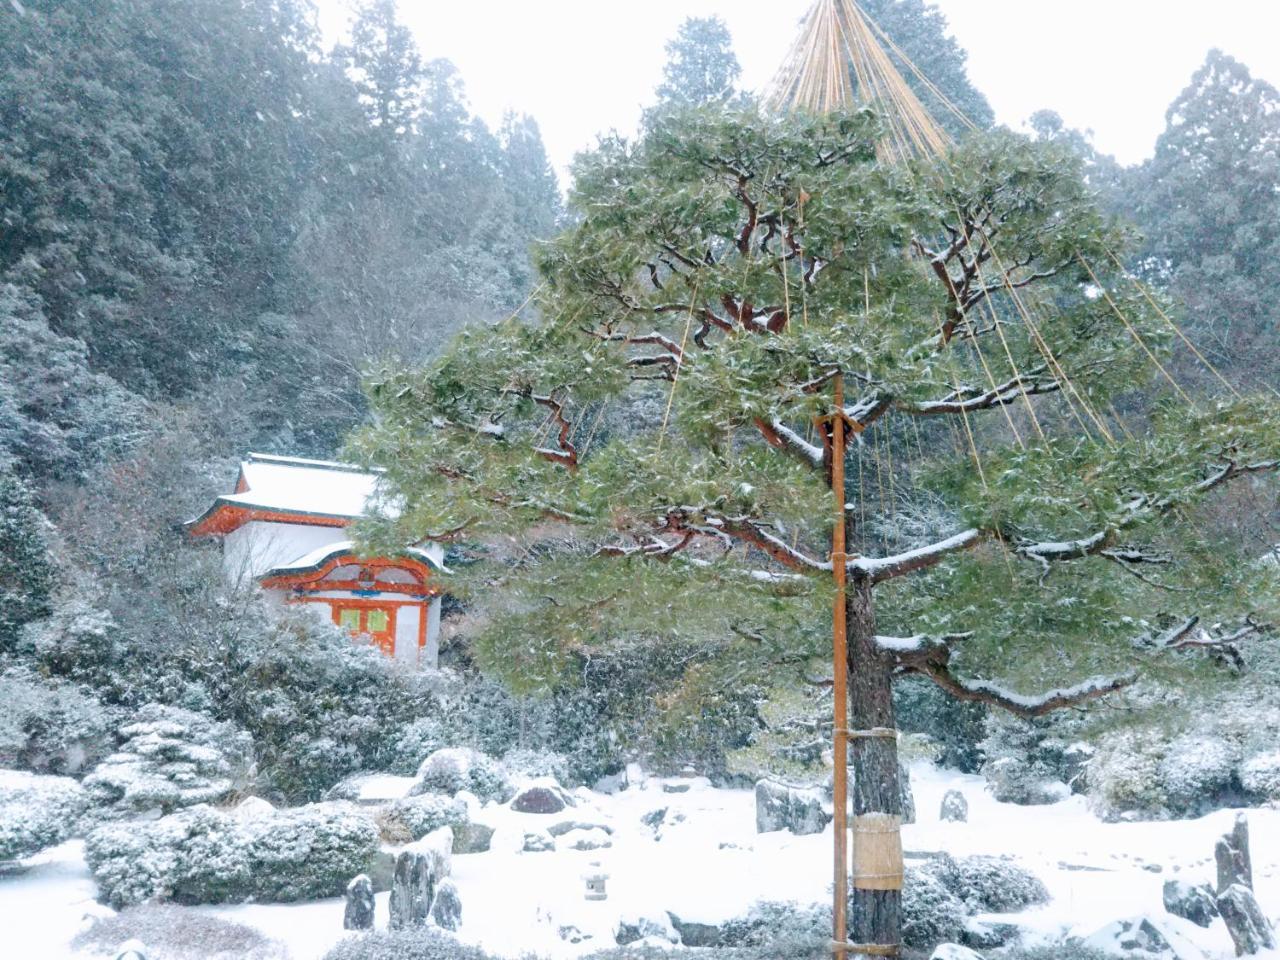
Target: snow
[(707, 864), (316, 487), (318, 557)]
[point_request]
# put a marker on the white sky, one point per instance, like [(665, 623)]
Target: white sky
[(581, 67)]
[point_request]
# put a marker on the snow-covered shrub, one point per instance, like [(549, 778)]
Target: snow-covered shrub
[(787, 928), (47, 726), (987, 884), (1143, 773), (796, 951), (1197, 772), (460, 768), (203, 855), (526, 764), (37, 812), (1067, 950), (412, 818), (171, 758), (420, 944), (1260, 775), (931, 914), (170, 932), (1032, 761)]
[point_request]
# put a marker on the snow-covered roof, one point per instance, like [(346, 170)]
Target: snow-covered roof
[(269, 484), (316, 559)]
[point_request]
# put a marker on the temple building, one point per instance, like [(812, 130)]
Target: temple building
[(285, 528)]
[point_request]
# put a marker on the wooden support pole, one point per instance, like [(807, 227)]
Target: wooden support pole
[(840, 675)]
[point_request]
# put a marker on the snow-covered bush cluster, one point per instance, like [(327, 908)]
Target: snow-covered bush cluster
[(48, 726), (455, 769), (203, 855), (526, 764), (1033, 761), (37, 812), (169, 931), (941, 893), (171, 758), (412, 818), (1260, 775), (422, 944)]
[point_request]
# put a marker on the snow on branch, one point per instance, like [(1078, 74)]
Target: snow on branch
[(973, 400), (877, 570), (1023, 705), (781, 437)]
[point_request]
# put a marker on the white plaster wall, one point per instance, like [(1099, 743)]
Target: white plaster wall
[(257, 547), (431, 652), (407, 620)]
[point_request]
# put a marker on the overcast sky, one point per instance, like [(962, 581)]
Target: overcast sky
[(586, 66)]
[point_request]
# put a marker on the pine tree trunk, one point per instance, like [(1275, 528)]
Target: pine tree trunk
[(875, 916)]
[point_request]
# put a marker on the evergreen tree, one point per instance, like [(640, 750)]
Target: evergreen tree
[(920, 30), (26, 568), (701, 66), (1027, 559), (1209, 201)]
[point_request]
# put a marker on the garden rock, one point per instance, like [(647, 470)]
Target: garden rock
[(37, 812), (953, 951), (1142, 937), (1250, 930), (437, 846), (1231, 852), (587, 840), (635, 929), (955, 808), (412, 890), (988, 935), (566, 826), (472, 837), (359, 911), (908, 797), (538, 842), (1196, 904), (542, 797), (695, 934), (446, 910), (796, 809)]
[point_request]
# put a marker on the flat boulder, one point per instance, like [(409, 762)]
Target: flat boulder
[(781, 806), (586, 840), (543, 797)]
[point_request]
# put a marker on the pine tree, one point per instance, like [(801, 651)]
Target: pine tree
[(744, 262), (701, 66), (26, 568), (1209, 201)]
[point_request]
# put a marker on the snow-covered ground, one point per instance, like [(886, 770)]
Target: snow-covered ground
[(707, 864)]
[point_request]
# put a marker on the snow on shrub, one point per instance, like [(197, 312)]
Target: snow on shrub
[(171, 758), (1260, 775), (1196, 772), (538, 764), (47, 726), (988, 884), (420, 944), (931, 914), (412, 818), (461, 768), (37, 812), (1124, 777), (203, 855), (170, 931)]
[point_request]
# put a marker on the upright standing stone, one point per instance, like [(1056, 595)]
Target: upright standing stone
[(359, 914), (908, 798), (1249, 928), (955, 808), (446, 911), (1235, 866), (412, 890)]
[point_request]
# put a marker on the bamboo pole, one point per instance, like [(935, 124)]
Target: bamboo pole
[(840, 677)]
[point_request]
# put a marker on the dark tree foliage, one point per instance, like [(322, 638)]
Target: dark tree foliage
[(1209, 202), (920, 30), (27, 576), (701, 66)]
